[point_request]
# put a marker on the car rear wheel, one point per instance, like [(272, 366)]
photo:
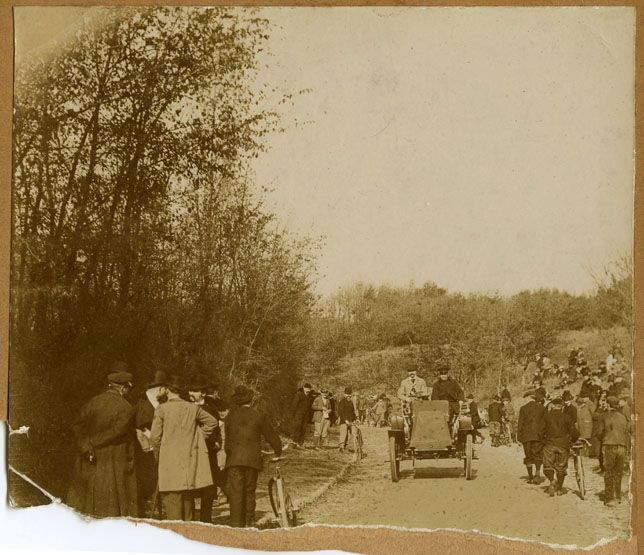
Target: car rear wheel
[(393, 459), (469, 455)]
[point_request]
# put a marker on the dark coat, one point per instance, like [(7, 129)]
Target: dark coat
[(301, 405), (214, 440), (106, 487), (531, 422), (571, 410), (495, 412), (346, 411), (560, 429), (447, 390), (474, 415), (613, 428), (244, 428), (143, 413)]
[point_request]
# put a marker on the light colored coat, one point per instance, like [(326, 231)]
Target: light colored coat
[(179, 432), (409, 388)]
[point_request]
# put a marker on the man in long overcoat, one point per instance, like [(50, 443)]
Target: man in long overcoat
[(244, 428), (448, 389), (209, 403), (104, 480), (179, 432), (301, 410), (530, 430)]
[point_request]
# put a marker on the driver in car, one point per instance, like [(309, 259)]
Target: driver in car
[(447, 389), (412, 387)]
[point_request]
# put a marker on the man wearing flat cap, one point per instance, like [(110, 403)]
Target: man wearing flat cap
[(613, 431), (560, 431), (179, 432), (447, 389), (104, 480), (530, 431), (244, 429)]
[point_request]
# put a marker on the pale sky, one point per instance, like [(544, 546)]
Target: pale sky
[(484, 149)]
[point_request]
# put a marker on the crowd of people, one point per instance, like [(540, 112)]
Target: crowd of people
[(179, 442), (325, 409), (599, 415)]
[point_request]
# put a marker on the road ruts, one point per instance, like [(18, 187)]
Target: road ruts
[(497, 501)]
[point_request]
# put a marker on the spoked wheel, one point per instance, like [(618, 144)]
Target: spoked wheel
[(393, 459), (579, 474), (469, 455), (281, 504)]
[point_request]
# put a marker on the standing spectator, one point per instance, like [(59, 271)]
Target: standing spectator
[(572, 357), (505, 393), (321, 418), (146, 463), (179, 432), (362, 408), (244, 429), (559, 432), (585, 421), (380, 411), (618, 351), (347, 417), (301, 410), (495, 419), (530, 431), (569, 408), (613, 432), (473, 409), (616, 388), (587, 388), (197, 393), (104, 480), (596, 444), (541, 390), (509, 418)]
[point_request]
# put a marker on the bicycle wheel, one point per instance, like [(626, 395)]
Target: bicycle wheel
[(273, 496), (469, 454), (291, 512), (579, 475)]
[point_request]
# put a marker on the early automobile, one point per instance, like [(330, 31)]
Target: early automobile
[(424, 431)]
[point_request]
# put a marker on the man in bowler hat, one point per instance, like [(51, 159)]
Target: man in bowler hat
[(244, 428)]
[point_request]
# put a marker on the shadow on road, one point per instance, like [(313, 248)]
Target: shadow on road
[(434, 472)]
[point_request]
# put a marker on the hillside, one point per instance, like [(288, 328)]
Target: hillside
[(382, 370)]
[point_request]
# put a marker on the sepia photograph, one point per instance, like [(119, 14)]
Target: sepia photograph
[(338, 266)]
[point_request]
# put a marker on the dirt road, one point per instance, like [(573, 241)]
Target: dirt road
[(497, 501)]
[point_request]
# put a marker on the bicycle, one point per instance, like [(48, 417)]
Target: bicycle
[(283, 507), (576, 449)]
